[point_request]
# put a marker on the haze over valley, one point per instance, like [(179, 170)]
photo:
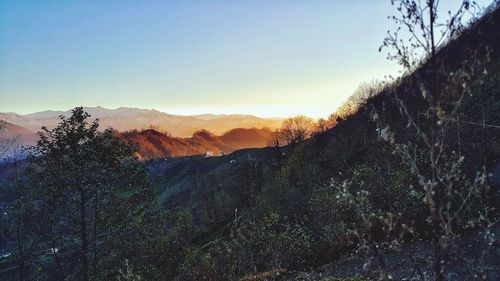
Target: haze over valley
[(126, 119), (235, 131)]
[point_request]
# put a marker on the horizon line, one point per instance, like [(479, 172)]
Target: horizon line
[(158, 110)]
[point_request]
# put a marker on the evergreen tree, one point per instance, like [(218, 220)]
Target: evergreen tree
[(90, 191)]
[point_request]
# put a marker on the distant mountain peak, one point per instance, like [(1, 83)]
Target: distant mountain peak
[(128, 118)]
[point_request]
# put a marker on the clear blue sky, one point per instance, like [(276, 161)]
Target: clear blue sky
[(268, 58)]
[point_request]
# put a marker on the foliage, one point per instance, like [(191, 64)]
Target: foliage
[(89, 195)]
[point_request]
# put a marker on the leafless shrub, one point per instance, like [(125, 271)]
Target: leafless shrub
[(451, 195), (358, 99), (127, 274), (296, 129)]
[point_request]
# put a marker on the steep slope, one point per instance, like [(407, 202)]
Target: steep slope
[(261, 210)]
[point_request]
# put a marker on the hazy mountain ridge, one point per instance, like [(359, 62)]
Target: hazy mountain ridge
[(154, 144), (181, 135), (125, 119), (15, 132)]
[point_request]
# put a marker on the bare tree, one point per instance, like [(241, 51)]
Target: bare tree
[(296, 129), (415, 45), (324, 124), (358, 99), (127, 274), (7, 143)]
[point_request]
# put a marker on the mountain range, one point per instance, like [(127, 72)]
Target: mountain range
[(125, 119), (180, 135)]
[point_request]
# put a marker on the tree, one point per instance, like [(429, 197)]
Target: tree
[(323, 125), (361, 95), (296, 129), (90, 191)]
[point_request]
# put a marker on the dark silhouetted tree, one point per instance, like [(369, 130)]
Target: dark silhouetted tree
[(90, 193)]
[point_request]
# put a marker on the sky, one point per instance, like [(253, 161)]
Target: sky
[(266, 58)]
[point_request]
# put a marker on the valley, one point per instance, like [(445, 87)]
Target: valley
[(400, 181)]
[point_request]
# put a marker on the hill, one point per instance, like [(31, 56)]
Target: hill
[(246, 138), (13, 138), (256, 212), (153, 144)]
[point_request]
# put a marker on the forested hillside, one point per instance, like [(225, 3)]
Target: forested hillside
[(153, 144), (259, 212), (411, 169)]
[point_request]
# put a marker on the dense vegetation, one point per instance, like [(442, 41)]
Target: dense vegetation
[(81, 207)]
